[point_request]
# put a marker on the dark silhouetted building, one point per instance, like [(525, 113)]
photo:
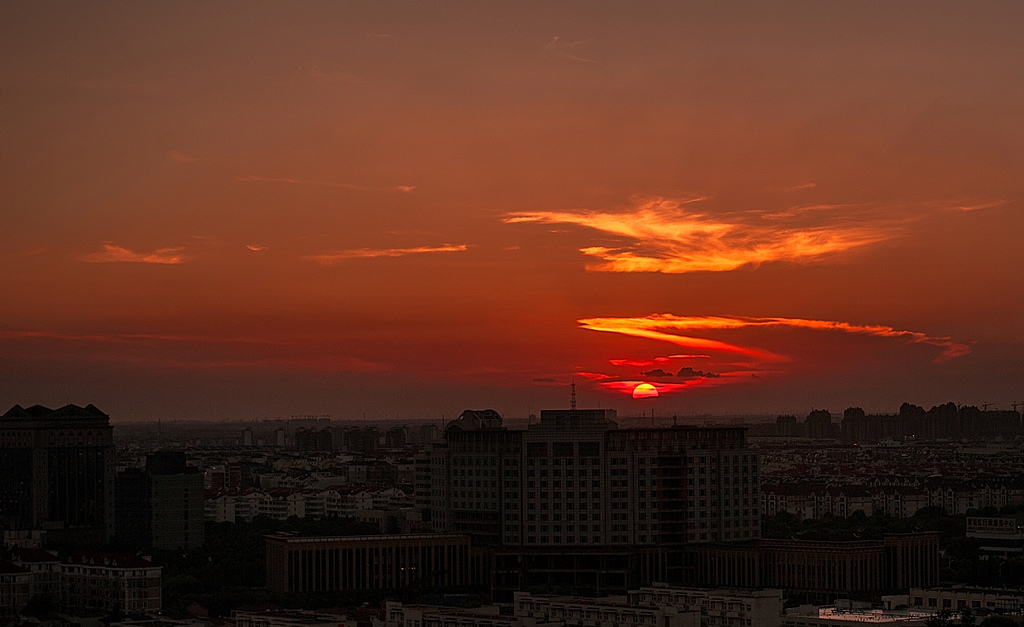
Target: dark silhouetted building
[(161, 506), (310, 440), (57, 472), (574, 501), (387, 562), (822, 570)]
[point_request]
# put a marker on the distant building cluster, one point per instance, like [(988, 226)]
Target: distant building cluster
[(947, 421), (667, 520)]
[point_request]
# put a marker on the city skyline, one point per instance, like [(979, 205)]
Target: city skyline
[(227, 212)]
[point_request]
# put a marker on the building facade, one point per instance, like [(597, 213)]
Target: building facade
[(109, 582), (574, 478), (57, 472), (823, 570), (161, 506), (573, 500), (386, 562)]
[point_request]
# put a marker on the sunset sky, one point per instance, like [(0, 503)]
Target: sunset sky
[(243, 210)]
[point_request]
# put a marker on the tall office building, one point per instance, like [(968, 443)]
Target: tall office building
[(162, 506), (576, 478), (57, 471), (598, 498)]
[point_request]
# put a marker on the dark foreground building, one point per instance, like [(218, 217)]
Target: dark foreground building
[(161, 506), (578, 503), (57, 472), (387, 562), (822, 570)]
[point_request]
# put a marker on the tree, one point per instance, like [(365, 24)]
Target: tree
[(998, 620), (967, 617)]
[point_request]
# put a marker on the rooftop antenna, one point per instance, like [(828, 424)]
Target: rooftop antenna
[(572, 399), (1016, 404), (985, 406)]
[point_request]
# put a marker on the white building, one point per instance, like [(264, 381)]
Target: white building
[(717, 608), (613, 611)]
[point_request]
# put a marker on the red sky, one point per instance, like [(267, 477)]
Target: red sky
[(232, 211)]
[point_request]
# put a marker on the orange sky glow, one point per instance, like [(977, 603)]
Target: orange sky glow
[(230, 211)]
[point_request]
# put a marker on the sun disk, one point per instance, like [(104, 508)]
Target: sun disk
[(645, 390)]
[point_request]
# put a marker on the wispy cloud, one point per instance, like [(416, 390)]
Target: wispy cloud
[(797, 187), (367, 253), (114, 254), (405, 189), (256, 249), (797, 210), (663, 236), (976, 205), (670, 328), (751, 364), (179, 157), (567, 49)]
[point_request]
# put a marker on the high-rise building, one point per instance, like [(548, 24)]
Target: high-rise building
[(575, 478), (162, 506), (57, 471), (618, 504)]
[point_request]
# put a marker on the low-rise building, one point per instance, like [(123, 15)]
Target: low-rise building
[(290, 618), (110, 582), (613, 611), (957, 598), (852, 616), (717, 608), (15, 589), (385, 562), (400, 615)]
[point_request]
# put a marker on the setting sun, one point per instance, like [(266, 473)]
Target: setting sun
[(645, 390)]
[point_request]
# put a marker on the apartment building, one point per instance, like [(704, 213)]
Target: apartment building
[(110, 582), (575, 501), (576, 479)]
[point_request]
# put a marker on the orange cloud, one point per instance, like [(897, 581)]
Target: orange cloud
[(367, 253), (627, 387), (665, 237), (180, 157), (794, 188), (978, 205), (637, 363), (111, 253), (256, 249), (596, 376), (643, 363), (659, 327), (665, 327)]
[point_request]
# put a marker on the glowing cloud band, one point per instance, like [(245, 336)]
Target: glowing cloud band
[(665, 327), (667, 238), (115, 254), (369, 253)]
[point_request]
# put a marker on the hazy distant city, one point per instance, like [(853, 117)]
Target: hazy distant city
[(308, 520)]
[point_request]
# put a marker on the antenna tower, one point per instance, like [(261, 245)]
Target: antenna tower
[(572, 399)]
